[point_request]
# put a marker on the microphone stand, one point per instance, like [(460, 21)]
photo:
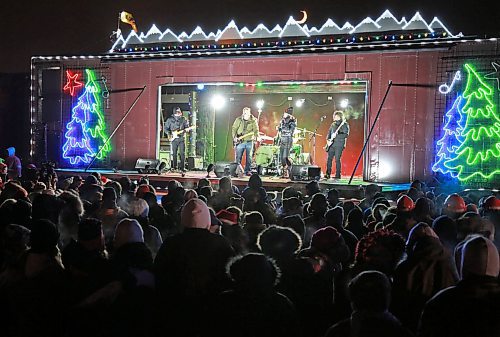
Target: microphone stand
[(313, 138)]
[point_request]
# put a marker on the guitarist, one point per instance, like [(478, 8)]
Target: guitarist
[(336, 139), (176, 123), (245, 130)]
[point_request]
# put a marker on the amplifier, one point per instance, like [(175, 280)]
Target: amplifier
[(195, 163), (305, 172)]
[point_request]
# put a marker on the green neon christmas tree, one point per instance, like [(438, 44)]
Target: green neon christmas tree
[(478, 156), (96, 125)]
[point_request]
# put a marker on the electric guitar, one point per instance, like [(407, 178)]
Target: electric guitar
[(237, 140), (329, 142), (176, 134)]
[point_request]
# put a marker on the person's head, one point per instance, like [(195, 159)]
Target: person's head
[(454, 206), (445, 228), (288, 112), (370, 190), (177, 112), (109, 198), (381, 250), (296, 223), (190, 194), (479, 258), (312, 188), (90, 234), (205, 191), (355, 217), (138, 208), (144, 188), (405, 204), (318, 205), (247, 112), (279, 242), (225, 185), (125, 183), (253, 273), (195, 214), (289, 192), (329, 241), (333, 197), (228, 217), (335, 217), (370, 291), (253, 218), (418, 232), (203, 182), (128, 231), (338, 116), (255, 181)]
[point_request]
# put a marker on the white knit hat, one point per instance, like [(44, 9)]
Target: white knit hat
[(195, 214)]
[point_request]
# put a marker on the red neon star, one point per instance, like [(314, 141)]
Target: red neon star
[(72, 83)]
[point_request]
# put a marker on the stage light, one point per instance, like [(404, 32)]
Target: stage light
[(200, 86), (384, 170), (299, 102), (260, 104), (344, 103), (217, 102)]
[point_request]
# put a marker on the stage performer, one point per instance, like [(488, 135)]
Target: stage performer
[(336, 140), (176, 125), (285, 129), (245, 131)]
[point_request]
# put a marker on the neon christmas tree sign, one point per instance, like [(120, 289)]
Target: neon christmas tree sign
[(470, 145), (85, 134)]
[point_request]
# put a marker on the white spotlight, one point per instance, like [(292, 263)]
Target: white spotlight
[(217, 102), (200, 86), (344, 103), (260, 104), (299, 102)]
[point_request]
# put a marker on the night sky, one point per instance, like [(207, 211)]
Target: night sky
[(58, 27)]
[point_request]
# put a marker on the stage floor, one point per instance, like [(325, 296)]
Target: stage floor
[(271, 183)]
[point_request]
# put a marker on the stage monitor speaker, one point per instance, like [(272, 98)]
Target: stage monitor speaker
[(195, 163), (227, 169), (164, 157), (305, 172), (148, 165)]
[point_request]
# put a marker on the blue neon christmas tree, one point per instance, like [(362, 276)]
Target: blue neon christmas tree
[(452, 137), (86, 132)]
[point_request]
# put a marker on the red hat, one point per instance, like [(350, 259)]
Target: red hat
[(491, 203), (104, 179), (455, 203), (226, 217), (405, 204)]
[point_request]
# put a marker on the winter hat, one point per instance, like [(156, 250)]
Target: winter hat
[(16, 235), (419, 231), (254, 218), (405, 204), (226, 217), (253, 272), (44, 236), (296, 223), (480, 257), (195, 214), (312, 188), (214, 220), (91, 180), (138, 208), (455, 204), (279, 242), (89, 229), (325, 238), (318, 204), (109, 194), (335, 217), (143, 189), (445, 227), (190, 194), (128, 231), (491, 203)]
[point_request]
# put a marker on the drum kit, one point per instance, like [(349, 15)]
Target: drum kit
[(267, 154)]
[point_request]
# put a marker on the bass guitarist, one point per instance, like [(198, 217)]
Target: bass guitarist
[(336, 140), (176, 125), (245, 131)]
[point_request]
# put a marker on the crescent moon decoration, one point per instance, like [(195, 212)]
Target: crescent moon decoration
[(304, 18)]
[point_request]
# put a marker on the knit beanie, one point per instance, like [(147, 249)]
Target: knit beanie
[(128, 231), (227, 217), (335, 217), (195, 214), (325, 238), (480, 257), (405, 204)]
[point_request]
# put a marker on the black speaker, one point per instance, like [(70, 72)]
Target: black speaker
[(148, 165), (305, 172), (226, 169)]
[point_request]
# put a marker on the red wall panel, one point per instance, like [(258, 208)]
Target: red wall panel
[(402, 140)]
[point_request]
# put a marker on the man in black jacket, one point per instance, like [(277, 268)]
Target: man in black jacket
[(175, 124), (337, 134)]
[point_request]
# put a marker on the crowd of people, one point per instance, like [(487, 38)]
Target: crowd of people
[(95, 257)]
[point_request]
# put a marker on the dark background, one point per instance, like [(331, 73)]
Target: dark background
[(58, 27)]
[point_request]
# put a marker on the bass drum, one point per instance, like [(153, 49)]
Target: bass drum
[(265, 155)]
